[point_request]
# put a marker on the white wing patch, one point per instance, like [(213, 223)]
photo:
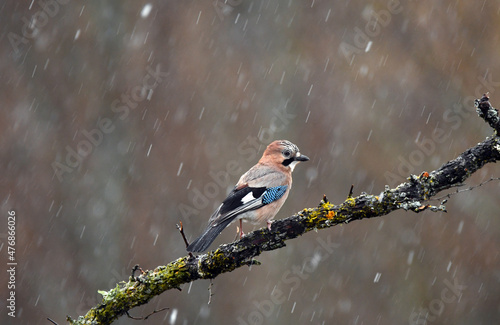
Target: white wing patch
[(247, 198)]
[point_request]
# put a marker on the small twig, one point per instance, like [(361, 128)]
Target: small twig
[(53, 322), (147, 316), (488, 112), (350, 192), (470, 188), (134, 269), (251, 262), (210, 294), (181, 230)]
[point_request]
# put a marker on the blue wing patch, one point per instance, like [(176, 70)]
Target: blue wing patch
[(273, 193)]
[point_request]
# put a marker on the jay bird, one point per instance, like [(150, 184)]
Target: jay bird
[(258, 195)]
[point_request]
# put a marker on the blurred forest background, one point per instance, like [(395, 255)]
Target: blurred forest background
[(120, 119)]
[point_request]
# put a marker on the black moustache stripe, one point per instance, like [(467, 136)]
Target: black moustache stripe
[(288, 161)]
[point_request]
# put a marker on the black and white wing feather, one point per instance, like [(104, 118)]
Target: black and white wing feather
[(239, 201)]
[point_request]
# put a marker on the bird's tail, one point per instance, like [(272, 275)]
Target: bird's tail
[(201, 243)]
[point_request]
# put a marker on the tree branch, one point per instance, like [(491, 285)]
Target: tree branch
[(413, 195)]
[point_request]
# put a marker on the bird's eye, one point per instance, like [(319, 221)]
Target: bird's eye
[(287, 153)]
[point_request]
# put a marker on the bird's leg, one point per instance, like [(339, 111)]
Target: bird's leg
[(241, 229), (269, 223)]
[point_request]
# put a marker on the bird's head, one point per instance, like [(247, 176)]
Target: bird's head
[(285, 153)]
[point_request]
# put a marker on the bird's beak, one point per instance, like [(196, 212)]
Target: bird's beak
[(299, 157)]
